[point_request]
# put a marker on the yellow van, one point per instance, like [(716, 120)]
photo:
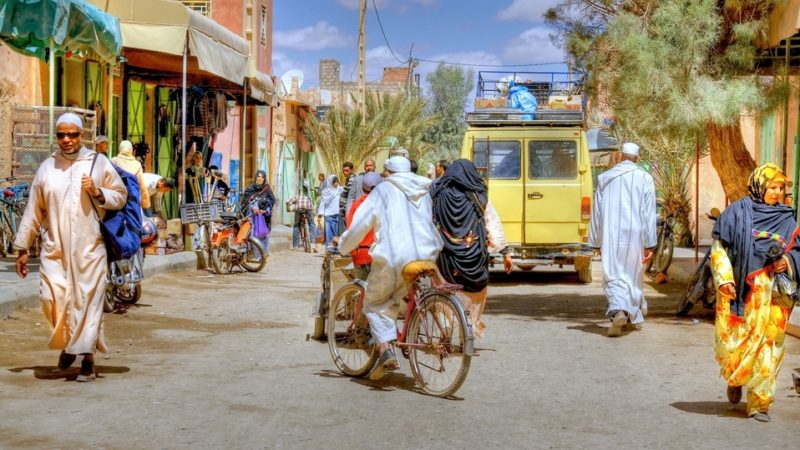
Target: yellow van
[(538, 171)]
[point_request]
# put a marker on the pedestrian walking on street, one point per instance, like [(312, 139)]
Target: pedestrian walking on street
[(329, 207), (346, 184), (752, 312), (361, 258), (130, 164), (399, 211), (623, 229), (74, 265), (468, 225), (257, 202)]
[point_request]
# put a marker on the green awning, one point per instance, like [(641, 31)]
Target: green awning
[(74, 26)]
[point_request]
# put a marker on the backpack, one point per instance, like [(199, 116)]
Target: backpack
[(122, 229)]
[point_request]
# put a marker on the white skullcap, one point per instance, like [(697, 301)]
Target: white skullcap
[(101, 138), (398, 164), (629, 148), (370, 180), (70, 118)]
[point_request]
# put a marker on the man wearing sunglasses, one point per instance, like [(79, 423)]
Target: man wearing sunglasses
[(67, 189)]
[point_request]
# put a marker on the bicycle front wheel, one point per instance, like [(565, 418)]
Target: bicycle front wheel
[(348, 335), (255, 258), (437, 339), (663, 256)]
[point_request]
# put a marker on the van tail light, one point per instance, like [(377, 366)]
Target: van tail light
[(586, 208)]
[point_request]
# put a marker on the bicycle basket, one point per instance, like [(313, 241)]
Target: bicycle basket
[(199, 212)]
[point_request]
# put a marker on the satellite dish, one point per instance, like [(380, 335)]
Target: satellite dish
[(286, 79), (325, 96)]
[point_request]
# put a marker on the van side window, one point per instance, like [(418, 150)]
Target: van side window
[(552, 159), (505, 160)]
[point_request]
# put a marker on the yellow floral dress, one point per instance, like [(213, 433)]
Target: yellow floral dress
[(750, 349)]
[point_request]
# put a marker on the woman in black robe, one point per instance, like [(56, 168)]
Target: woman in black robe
[(258, 199), (469, 226)]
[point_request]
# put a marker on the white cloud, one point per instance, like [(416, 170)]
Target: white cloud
[(316, 37), (426, 2), (527, 10), (533, 46), (282, 63)]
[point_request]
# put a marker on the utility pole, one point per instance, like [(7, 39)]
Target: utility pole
[(362, 85)]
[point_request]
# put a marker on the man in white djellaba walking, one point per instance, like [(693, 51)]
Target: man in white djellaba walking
[(623, 228)]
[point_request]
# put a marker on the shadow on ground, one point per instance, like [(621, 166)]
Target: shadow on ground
[(54, 373)]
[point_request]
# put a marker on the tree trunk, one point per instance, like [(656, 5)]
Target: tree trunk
[(730, 159)]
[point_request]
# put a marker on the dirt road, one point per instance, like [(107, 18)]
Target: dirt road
[(223, 362)]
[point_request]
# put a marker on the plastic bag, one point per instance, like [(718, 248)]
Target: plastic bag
[(259, 226), (520, 98)]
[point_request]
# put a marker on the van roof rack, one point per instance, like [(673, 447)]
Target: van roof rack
[(560, 97), (515, 117)]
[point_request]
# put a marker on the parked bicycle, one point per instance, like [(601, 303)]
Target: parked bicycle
[(13, 201), (436, 335)]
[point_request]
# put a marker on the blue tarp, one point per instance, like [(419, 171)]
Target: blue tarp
[(75, 26)]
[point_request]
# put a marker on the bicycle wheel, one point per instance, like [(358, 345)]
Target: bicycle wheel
[(348, 336), (255, 258), (663, 257), (305, 235), (108, 299), (220, 255), (437, 338)]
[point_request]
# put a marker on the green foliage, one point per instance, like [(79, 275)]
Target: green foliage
[(347, 135), (450, 87)]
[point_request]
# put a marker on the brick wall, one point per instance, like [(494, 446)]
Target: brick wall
[(329, 74)]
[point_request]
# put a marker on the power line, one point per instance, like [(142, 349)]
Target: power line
[(488, 65), (378, 16)]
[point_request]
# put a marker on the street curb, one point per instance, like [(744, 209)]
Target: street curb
[(25, 293)]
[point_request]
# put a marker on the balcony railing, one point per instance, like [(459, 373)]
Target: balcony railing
[(201, 6)]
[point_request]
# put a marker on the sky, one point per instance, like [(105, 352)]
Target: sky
[(498, 32)]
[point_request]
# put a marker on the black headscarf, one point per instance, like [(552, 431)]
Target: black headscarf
[(261, 193), (459, 201), (748, 228)]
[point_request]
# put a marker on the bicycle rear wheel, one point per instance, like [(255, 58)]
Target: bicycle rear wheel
[(437, 339), (348, 336), (305, 235)]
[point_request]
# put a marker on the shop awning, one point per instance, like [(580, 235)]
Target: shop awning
[(164, 26), (261, 87), (75, 26), (783, 23)]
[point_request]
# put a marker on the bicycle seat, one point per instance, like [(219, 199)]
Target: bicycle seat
[(414, 269), (8, 193), (225, 215)]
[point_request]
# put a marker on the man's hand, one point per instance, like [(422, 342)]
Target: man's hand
[(728, 290), (648, 256), (780, 266), (87, 184), (335, 241), (22, 264), (508, 265)]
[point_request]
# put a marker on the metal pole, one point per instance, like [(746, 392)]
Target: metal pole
[(242, 172), (52, 91), (697, 199), (785, 135), (362, 86), (183, 125), (110, 114)]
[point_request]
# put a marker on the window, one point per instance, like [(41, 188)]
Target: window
[(504, 158), (263, 25), (552, 159)]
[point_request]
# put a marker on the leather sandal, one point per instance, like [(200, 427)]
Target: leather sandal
[(65, 360), (87, 370)]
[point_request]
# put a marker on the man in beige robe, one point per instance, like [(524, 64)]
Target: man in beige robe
[(73, 259)]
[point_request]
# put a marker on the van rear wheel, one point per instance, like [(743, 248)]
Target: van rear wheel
[(585, 275)]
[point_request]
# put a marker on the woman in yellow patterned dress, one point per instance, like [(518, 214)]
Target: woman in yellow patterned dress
[(751, 316)]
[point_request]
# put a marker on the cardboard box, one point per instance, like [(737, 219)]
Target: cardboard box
[(568, 102), (482, 103), (174, 226), (162, 234)]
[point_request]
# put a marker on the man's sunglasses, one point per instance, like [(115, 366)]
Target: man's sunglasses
[(71, 135)]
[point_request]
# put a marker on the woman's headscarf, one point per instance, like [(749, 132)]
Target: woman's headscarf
[(459, 201), (125, 158), (748, 228), (261, 192), (328, 190)]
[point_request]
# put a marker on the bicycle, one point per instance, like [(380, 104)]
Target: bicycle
[(305, 232), (332, 260), (436, 336), (13, 201)]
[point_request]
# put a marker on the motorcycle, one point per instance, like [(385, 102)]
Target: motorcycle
[(701, 286), (662, 257), (233, 245), (124, 281)]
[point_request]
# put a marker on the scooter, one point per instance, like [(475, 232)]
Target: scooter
[(701, 286), (232, 245), (124, 282)]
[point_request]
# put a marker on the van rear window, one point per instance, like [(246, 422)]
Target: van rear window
[(552, 160), (504, 161)]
